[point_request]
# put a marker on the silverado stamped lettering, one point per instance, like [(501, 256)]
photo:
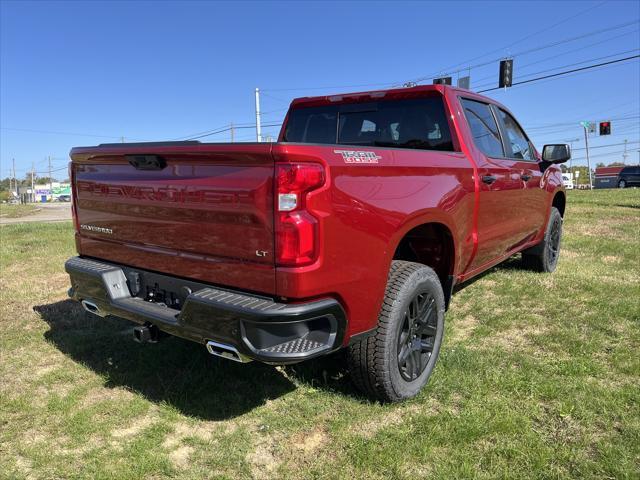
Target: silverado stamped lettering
[(93, 228)]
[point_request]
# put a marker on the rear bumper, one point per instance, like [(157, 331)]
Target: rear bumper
[(256, 327)]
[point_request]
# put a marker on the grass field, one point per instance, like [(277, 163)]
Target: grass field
[(539, 377), (17, 211)]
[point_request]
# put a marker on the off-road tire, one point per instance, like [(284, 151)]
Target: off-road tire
[(544, 256), (373, 362)]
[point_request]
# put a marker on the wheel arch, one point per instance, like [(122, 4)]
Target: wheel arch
[(559, 201), (430, 243)]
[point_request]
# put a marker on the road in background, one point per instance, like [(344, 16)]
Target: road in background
[(48, 212)]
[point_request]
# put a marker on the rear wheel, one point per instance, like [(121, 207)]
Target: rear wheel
[(396, 361), (544, 256), (622, 184)]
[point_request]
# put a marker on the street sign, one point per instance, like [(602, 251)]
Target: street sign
[(442, 81), (464, 82), (590, 126)]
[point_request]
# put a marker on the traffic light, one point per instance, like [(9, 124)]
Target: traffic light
[(605, 128), (506, 73), (442, 81)]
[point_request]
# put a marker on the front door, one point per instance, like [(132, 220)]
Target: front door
[(522, 158)]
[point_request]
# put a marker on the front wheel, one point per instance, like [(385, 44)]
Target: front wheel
[(622, 184), (544, 256), (396, 361)]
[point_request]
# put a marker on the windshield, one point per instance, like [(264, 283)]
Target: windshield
[(411, 123)]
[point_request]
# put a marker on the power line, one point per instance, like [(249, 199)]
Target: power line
[(531, 50), (599, 155), (450, 70), (540, 127), (522, 67), (66, 133), (570, 65), (566, 72), (608, 145), (519, 41), (232, 127), (214, 130)]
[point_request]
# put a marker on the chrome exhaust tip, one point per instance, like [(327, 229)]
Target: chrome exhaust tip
[(226, 351), (92, 308)]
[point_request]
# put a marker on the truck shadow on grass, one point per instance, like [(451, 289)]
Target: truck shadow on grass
[(176, 371)]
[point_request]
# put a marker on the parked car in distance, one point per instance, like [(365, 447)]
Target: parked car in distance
[(349, 232), (629, 177), (64, 198), (566, 181)]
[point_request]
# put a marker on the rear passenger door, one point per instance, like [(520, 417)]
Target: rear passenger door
[(500, 205)]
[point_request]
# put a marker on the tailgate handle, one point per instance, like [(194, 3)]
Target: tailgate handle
[(146, 162)]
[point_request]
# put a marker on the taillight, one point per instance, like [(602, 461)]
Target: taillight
[(74, 212), (296, 227)]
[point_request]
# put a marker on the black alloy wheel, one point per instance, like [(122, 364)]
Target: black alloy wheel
[(417, 336), (544, 256), (396, 361), (553, 245)]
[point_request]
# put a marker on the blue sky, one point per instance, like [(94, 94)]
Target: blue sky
[(97, 71)]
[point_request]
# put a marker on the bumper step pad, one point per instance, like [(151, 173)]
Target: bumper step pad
[(256, 326), (298, 345)]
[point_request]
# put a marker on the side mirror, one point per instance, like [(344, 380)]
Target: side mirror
[(556, 153)]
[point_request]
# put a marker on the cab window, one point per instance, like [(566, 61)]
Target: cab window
[(419, 123), (516, 139), (483, 127)]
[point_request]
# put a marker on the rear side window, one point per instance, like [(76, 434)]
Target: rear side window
[(412, 123), (483, 127), (520, 146)]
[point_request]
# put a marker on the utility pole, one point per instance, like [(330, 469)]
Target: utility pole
[(232, 133), (571, 159), (33, 172), (586, 145), (625, 155), (258, 126), (15, 181), (50, 179)]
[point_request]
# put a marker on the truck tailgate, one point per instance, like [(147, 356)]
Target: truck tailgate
[(196, 202)]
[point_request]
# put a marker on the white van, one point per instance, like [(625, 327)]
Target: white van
[(566, 181)]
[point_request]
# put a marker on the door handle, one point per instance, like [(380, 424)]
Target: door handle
[(525, 177), (489, 179)]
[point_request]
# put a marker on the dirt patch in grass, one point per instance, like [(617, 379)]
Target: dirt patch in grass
[(103, 394), (520, 338), (310, 442), (183, 431), (136, 426), (393, 418), (604, 229), (463, 329), (17, 211), (262, 459)]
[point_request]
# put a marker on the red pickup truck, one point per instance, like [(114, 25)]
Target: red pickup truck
[(349, 232)]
